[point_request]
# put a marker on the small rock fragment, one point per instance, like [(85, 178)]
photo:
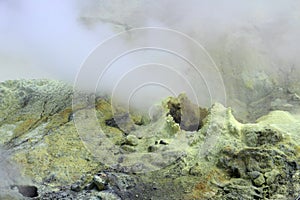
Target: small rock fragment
[(152, 148), (100, 182), (254, 174), (163, 142), (260, 180), (132, 140), (271, 176), (75, 187), (128, 148)]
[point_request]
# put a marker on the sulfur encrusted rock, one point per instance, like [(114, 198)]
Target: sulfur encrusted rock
[(90, 150), (39, 132), (188, 115)]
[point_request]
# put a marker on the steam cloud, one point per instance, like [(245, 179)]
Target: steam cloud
[(51, 39), (11, 177)]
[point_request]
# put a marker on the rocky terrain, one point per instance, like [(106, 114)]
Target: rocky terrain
[(56, 144)]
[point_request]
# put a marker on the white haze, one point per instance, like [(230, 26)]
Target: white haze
[(11, 175), (51, 39)]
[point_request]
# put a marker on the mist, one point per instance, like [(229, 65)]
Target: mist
[(11, 176), (247, 41)]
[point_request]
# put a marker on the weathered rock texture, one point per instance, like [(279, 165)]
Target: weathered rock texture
[(183, 152)]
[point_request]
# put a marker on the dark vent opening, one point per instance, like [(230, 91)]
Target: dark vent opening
[(28, 190)]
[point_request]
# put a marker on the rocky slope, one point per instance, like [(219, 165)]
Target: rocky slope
[(55, 149)]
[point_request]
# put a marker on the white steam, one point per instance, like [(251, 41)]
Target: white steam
[(51, 39), (10, 174)]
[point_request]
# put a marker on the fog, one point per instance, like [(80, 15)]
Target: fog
[(11, 176), (243, 42)]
